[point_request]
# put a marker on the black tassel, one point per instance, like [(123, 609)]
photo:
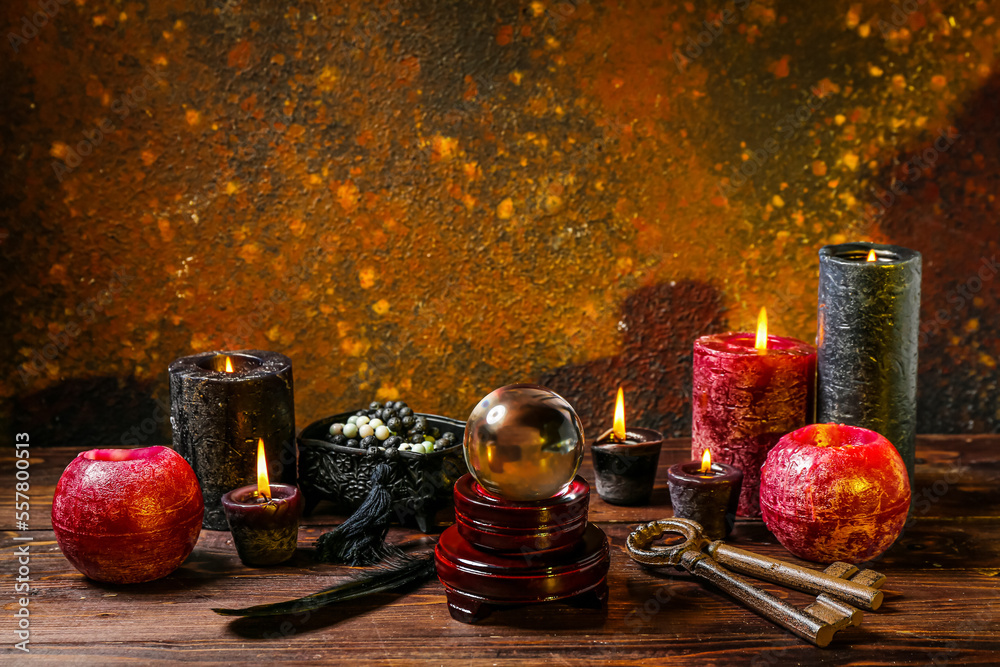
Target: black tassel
[(361, 539), (400, 571)]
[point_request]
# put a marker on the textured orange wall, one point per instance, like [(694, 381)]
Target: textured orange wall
[(429, 199)]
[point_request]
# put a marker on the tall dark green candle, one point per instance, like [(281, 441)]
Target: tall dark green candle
[(868, 326)]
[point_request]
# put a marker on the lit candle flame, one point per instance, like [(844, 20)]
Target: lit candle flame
[(872, 256), (229, 365), (263, 485), (706, 462), (761, 343), (618, 429)]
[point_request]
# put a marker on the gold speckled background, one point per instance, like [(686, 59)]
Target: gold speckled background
[(430, 199)]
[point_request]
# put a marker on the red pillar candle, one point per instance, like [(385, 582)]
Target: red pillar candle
[(745, 398)]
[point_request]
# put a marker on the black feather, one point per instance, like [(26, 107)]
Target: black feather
[(397, 572)]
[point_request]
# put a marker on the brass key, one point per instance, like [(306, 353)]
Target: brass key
[(840, 580), (816, 623)]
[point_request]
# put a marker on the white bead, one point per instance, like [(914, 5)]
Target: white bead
[(365, 430), (351, 430), (381, 432), (362, 421), (375, 423)]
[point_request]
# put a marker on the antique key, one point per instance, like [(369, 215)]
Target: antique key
[(839, 584)]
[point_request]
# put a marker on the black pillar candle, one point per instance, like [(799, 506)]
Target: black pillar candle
[(868, 325), (218, 415)]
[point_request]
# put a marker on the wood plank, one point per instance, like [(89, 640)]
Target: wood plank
[(957, 477), (950, 613)]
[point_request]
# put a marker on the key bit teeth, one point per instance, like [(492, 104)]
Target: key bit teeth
[(869, 578), (835, 612), (834, 616), (841, 570)]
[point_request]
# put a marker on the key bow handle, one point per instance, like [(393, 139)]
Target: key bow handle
[(642, 550)]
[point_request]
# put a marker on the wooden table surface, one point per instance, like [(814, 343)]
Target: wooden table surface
[(942, 603)]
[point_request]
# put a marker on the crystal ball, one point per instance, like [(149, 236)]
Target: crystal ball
[(524, 442)]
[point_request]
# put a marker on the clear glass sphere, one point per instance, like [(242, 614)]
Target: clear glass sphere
[(524, 442)]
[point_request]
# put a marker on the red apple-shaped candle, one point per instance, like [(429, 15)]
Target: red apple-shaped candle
[(126, 516), (831, 492)]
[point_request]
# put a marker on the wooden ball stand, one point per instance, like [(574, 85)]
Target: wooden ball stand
[(502, 553)]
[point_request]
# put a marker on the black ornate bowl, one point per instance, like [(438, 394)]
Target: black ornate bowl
[(421, 484)]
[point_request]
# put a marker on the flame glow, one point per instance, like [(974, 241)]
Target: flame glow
[(761, 343), (618, 429), (263, 485), (871, 255), (706, 462), (229, 365)]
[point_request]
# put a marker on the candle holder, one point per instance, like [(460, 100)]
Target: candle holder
[(265, 532), (626, 471), (521, 532), (868, 331), (707, 498), (218, 415), (502, 553)]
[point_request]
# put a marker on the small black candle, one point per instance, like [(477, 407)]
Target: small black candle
[(868, 328), (625, 460), (707, 493), (221, 403), (264, 518)]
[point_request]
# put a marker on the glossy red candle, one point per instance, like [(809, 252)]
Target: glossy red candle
[(265, 531), (127, 516), (744, 400), (832, 492)]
